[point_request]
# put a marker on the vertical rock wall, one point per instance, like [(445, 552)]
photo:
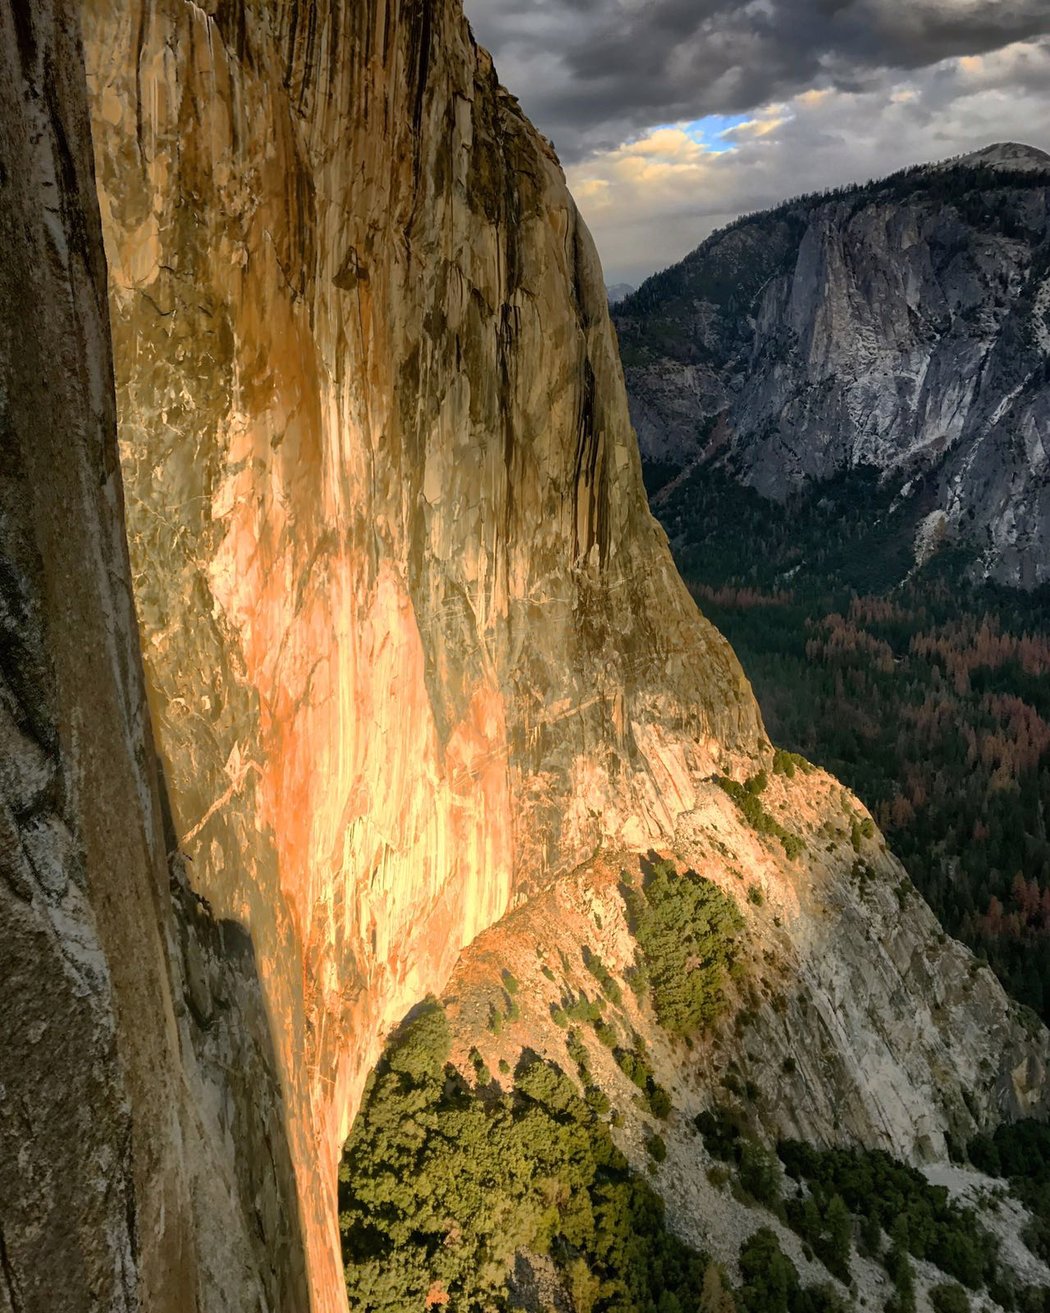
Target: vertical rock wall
[(65, 1115), (413, 642), (142, 1153)]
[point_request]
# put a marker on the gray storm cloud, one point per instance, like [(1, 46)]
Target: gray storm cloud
[(592, 71)]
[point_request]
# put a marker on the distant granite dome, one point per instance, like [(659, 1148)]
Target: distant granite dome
[(618, 292), (1010, 156), (902, 325)]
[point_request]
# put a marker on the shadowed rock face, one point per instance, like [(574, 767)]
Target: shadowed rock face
[(60, 710), (139, 1101), (414, 644)]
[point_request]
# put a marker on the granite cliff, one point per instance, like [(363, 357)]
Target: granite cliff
[(412, 648), (901, 326), (413, 643)]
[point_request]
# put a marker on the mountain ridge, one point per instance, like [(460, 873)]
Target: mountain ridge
[(900, 324), (375, 441)]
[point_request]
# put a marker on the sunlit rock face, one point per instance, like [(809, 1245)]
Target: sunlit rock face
[(413, 643)]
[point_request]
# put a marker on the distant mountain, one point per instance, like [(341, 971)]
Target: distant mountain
[(618, 292), (903, 325)]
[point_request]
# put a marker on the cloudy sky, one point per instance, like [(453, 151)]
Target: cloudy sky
[(673, 116)]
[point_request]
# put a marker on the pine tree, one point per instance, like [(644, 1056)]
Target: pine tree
[(839, 1229), (715, 1296), (898, 1264)]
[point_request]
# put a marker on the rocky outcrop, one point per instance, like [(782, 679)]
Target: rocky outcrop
[(139, 1101), (903, 326), (850, 1019), (414, 645)]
